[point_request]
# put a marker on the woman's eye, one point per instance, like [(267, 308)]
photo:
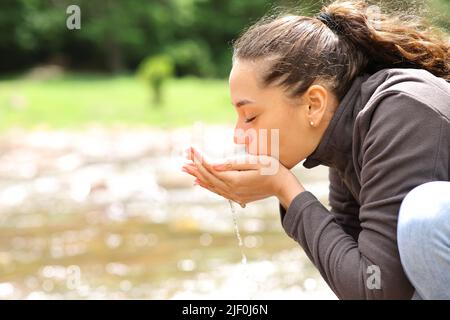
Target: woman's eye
[(250, 119)]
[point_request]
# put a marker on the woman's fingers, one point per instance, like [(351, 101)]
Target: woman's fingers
[(193, 171), (199, 159), (228, 192), (246, 162), (206, 183), (201, 179), (235, 179), (216, 191), (205, 169), (239, 163), (195, 156), (210, 178), (225, 180), (229, 178)]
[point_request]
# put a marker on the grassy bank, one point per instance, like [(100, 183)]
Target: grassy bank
[(75, 101)]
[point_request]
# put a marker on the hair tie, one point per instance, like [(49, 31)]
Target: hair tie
[(329, 22)]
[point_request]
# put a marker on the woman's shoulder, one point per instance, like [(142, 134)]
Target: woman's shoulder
[(407, 90), (404, 104), (403, 127), (415, 82)]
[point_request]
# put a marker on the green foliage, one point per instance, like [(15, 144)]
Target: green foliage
[(155, 71), (192, 57), (116, 35)]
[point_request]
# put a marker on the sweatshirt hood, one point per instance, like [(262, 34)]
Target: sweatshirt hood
[(335, 147)]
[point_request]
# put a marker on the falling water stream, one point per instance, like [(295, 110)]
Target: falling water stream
[(253, 285), (236, 231)]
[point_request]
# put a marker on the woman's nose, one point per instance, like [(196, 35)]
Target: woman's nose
[(240, 136)]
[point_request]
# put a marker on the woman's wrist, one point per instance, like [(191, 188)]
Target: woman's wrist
[(288, 188)]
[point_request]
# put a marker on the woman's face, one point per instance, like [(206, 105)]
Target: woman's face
[(269, 108)]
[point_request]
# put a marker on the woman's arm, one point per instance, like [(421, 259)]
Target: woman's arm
[(403, 148), (343, 205)]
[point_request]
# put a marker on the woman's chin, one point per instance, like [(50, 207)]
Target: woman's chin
[(288, 164)]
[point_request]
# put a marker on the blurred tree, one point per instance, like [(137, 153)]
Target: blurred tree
[(29, 31), (116, 29), (155, 71), (117, 35), (191, 57)]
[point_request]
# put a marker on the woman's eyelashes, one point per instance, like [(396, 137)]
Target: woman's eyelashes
[(250, 119)]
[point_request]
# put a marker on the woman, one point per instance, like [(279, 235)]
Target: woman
[(368, 97)]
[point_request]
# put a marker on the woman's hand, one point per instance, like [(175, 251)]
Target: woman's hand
[(244, 179)]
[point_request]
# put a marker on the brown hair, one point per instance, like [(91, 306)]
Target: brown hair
[(345, 40)]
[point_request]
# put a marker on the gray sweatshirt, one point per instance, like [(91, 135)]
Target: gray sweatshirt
[(390, 133)]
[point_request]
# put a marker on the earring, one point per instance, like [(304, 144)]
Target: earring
[(311, 123)]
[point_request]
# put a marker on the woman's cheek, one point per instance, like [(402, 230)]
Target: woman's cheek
[(262, 142), (251, 146), (249, 138)]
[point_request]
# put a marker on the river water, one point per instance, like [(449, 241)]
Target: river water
[(107, 214)]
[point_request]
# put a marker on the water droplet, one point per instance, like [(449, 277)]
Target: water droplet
[(116, 268), (186, 265), (252, 241), (205, 239), (48, 285), (310, 284), (6, 290), (113, 240), (125, 285)]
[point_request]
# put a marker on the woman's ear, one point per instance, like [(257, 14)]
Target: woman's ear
[(317, 99)]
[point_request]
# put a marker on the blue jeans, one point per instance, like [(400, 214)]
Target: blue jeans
[(423, 233)]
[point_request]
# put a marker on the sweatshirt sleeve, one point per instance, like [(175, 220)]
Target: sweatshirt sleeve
[(402, 149), (343, 205)]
